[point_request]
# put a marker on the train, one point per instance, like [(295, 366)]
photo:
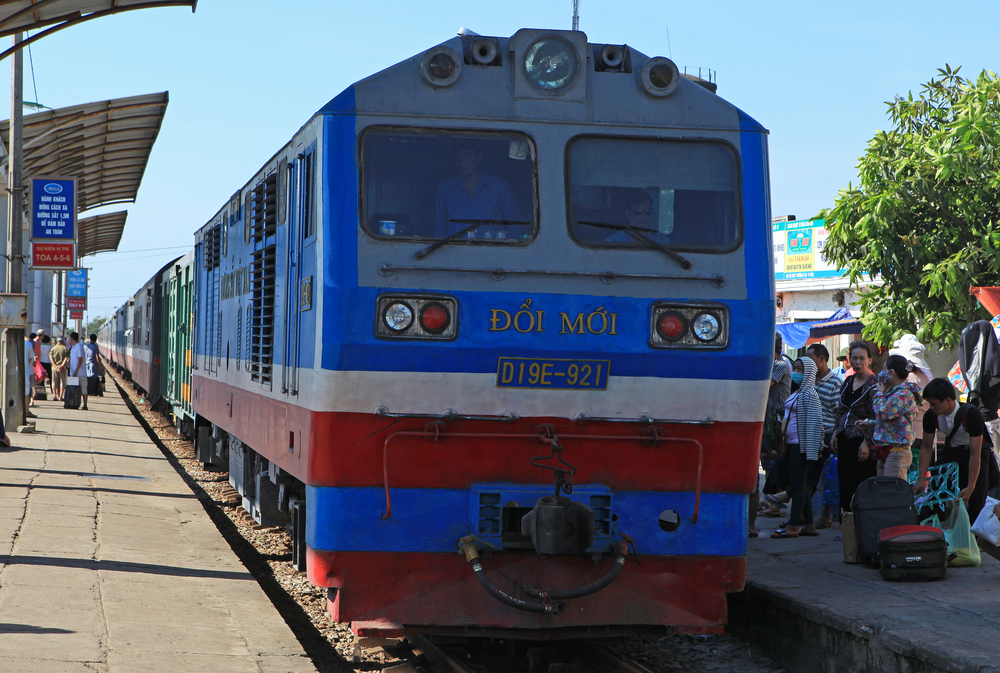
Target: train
[(490, 335)]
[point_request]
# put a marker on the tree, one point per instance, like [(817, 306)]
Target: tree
[(93, 326), (925, 217)]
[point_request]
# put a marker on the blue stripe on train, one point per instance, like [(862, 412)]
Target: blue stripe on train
[(432, 520), (348, 344)]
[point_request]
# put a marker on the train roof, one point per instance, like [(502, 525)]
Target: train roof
[(500, 89)]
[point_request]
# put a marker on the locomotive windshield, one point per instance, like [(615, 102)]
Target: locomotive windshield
[(436, 184), (625, 193)]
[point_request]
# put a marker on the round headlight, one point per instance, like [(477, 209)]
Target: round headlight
[(551, 65), (440, 66), (659, 76), (398, 316), (671, 325), (705, 326)]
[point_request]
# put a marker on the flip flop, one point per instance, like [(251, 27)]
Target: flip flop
[(774, 501), (770, 511), (823, 523), (809, 533), (753, 533), (782, 533)]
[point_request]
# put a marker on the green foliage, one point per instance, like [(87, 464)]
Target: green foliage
[(93, 326), (926, 215)]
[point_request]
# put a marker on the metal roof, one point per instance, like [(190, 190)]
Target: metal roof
[(104, 145), (49, 16), (100, 233)]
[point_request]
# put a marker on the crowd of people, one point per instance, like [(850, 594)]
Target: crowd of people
[(50, 362), (833, 428)]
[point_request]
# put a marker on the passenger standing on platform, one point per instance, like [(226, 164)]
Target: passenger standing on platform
[(46, 359), (850, 443), (842, 366), (966, 443), (94, 367), (828, 387), (59, 355), (804, 438), (29, 375), (897, 403), (79, 363), (781, 381)]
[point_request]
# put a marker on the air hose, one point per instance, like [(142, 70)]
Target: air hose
[(621, 551)]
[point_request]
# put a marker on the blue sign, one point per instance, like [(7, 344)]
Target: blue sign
[(76, 283), (53, 208)]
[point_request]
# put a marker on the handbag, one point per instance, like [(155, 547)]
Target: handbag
[(39, 372)]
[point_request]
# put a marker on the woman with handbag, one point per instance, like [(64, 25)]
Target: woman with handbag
[(850, 441), (803, 443)]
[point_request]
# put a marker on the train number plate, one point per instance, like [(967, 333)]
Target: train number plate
[(553, 374)]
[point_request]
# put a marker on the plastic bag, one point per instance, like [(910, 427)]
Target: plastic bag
[(962, 548), (987, 525), (831, 492)]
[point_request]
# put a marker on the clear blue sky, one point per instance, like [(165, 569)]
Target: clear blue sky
[(244, 75)]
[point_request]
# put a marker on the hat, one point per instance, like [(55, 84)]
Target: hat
[(843, 354), (910, 348), (40, 331)]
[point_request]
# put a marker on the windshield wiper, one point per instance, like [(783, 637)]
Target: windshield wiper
[(420, 254), (635, 232)]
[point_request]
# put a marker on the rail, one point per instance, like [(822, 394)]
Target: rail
[(434, 432)]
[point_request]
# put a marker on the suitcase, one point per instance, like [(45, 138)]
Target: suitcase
[(850, 539), (879, 503), (73, 397), (913, 553)]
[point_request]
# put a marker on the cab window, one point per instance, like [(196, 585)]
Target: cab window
[(623, 191), (428, 184)]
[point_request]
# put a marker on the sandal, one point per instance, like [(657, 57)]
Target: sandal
[(809, 533), (774, 501), (770, 511), (824, 523), (782, 533), (753, 533)]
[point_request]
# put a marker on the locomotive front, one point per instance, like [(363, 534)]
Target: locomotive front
[(547, 314)]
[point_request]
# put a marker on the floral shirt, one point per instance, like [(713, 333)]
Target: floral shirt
[(896, 410)]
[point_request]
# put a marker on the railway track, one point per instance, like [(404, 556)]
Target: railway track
[(469, 655)]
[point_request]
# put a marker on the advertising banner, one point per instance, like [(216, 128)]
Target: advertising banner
[(53, 209), (798, 251), (60, 256)]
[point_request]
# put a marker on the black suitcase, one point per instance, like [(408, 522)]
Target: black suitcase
[(73, 397), (913, 553), (879, 503)]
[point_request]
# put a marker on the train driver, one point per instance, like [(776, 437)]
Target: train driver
[(637, 211), (474, 194)]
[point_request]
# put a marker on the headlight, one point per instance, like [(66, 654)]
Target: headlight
[(551, 64), (440, 66), (705, 326), (398, 317)]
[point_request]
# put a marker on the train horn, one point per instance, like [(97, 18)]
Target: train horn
[(484, 52), (612, 56)]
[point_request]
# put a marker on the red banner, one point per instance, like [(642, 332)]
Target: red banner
[(57, 256), (76, 315), (76, 303)]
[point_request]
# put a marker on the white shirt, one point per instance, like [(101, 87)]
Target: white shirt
[(77, 353), (946, 423), (45, 353), (792, 429)]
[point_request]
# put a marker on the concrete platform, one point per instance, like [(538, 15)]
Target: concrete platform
[(813, 612), (109, 563)]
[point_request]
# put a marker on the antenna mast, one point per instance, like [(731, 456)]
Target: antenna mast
[(576, 14)]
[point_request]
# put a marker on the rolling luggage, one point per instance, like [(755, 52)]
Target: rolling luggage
[(879, 503), (72, 397), (913, 553)]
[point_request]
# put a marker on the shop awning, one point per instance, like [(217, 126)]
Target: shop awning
[(104, 145), (800, 334), (101, 233)]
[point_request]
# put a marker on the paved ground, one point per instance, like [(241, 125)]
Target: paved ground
[(109, 563), (950, 625)]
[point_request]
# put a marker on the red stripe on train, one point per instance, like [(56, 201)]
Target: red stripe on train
[(421, 589), (348, 449)]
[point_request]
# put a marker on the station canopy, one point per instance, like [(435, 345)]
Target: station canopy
[(100, 233), (49, 16)]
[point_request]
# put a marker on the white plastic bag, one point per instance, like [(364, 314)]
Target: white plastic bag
[(987, 525)]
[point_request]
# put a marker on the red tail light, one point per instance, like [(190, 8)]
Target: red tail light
[(435, 318), (671, 325)]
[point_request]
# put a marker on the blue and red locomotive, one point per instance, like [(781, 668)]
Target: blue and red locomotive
[(493, 319)]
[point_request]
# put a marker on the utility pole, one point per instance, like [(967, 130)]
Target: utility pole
[(14, 373), (576, 14)]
